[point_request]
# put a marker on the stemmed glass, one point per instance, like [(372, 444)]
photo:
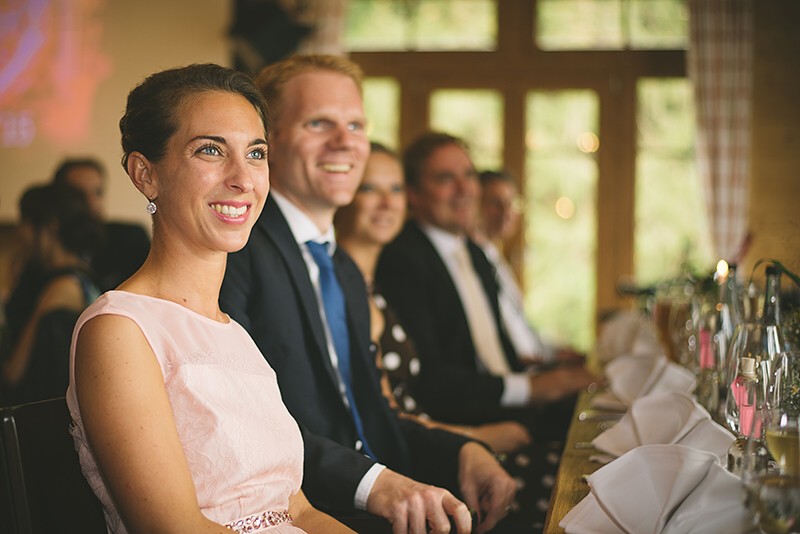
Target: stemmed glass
[(777, 492), (681, 332), (709, 346)]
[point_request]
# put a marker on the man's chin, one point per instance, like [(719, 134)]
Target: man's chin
[(341, 199)]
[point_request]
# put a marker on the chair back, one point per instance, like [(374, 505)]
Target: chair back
[(43, 487)]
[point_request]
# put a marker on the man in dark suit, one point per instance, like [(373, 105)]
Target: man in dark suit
[(124, 246), (428, 274), (305, 304)]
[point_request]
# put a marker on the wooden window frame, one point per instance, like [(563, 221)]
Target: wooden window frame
[(516, 67)]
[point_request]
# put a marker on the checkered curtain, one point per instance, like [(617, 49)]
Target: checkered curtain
[(720, 67)]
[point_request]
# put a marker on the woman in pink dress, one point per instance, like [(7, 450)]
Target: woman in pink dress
[(178, 420)]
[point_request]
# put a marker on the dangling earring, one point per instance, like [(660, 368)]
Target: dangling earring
[(151, 207)]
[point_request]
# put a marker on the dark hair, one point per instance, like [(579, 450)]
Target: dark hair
[(63, 169), (79, 230), (151, 113), (487, 177), (378, 148), (420, 150)]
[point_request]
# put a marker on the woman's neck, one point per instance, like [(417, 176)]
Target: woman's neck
[(179, 276), (365, 257)]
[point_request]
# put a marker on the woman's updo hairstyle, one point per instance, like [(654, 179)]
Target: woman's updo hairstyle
[(151, 113)]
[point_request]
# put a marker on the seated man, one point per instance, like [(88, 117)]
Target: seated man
[(445, 292), (124, 246), (305, 303), (498, 222)]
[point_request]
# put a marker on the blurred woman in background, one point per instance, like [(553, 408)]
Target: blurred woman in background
[(372, 220), (58, 231)]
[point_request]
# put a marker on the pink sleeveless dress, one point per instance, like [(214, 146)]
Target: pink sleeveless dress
[(244, 450)]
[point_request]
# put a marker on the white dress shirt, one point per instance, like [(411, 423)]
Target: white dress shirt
[(525, 339), (516, 386), (303, 229)]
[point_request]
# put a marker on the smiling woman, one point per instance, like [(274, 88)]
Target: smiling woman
[(227, 175), (162, 382)]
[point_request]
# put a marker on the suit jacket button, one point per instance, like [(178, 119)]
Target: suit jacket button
[(359, 445)]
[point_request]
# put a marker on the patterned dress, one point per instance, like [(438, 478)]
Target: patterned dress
[(534, 467)]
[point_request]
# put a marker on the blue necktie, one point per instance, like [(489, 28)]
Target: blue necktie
[(336, 316)]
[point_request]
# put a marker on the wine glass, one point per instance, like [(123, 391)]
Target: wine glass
[(777, 493), (681, 332), (709, 345), (783, 414)]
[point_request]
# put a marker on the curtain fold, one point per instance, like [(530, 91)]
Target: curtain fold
[(720, 67)]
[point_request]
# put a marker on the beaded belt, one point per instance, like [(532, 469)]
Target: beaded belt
[(255, 522)]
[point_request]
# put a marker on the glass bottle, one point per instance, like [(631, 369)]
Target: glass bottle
[(771, 321), (730, 298), (707, 368), (771, 315), (746, 403)]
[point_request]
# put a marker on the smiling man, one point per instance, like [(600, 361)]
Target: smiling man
[(305, 303), (444, 289)]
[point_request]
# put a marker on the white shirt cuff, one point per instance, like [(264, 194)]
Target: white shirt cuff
[(516, 390), (365, 486)]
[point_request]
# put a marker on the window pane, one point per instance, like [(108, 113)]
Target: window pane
[(658, 24), (671, 225), (476, 115), (561, 214), (611, 24), (382, 106), (421, 25), (375, 25), (578, 24)]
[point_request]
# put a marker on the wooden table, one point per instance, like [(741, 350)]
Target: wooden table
[(570, 486)]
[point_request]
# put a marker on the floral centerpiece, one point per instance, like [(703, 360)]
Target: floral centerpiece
[(790, 320)]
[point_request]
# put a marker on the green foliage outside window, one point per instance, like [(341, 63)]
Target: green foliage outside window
[(611, 24), (671, 225), (421, 25), (475, 115), (561, 244)]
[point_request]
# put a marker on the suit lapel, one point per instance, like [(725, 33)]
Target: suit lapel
[(274, 224), (436, 263), (352, 283)]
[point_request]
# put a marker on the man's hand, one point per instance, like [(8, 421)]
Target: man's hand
[(485, 485), (568, 356), (412, 507), (560, 382)]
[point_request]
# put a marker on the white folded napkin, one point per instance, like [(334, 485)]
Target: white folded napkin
[(633, 376), (660, 489), (627, 332), (665, 418)]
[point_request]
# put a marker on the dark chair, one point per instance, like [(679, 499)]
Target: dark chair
[(43, 488)]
